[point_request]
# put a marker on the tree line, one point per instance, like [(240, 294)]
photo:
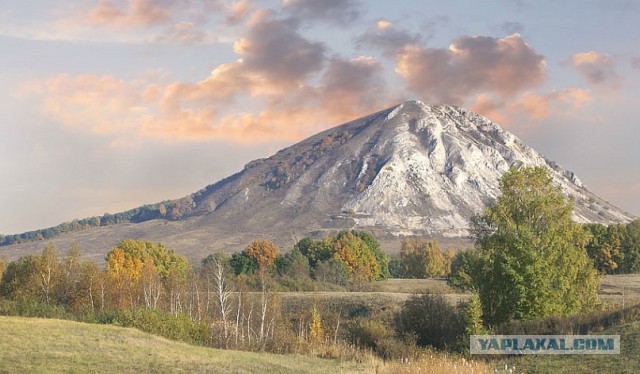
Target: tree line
[(169, 210), (226, 300)]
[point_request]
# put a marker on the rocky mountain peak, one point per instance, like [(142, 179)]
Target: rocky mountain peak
[(410, 169)]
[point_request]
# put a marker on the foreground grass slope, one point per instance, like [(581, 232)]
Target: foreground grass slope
[(53, 346), (628, 361)]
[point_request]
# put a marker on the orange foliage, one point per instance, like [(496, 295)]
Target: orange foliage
[(263, 252)]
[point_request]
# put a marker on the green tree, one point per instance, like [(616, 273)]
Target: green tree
[(333, 271), (316, 250), (534, 262), (242, 264), (294, 264), (396, 267), (20, 278), (631, 248), (463, 269), (605, 246), (471, 314), (126, 265)]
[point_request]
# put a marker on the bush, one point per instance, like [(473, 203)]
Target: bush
[(381, 339), (28, 306), (175, 327), (431, 320)]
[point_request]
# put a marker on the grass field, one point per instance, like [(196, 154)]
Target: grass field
[(628, 361), (615, 290), (43, 346), (620, 290), (30, 345)]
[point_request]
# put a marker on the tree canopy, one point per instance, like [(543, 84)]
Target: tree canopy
[(533, 260)]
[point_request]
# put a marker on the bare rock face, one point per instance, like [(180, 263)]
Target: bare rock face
[(413, 169)]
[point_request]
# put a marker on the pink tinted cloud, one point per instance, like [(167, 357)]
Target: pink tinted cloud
[(238, 11), (530, 106), (212, 108), (597, 69), (471, 65), (131, 13), (184, 33)]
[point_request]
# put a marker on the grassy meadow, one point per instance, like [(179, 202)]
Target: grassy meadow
[(53, 346), (48, 345), (33, 345), (628, 361)]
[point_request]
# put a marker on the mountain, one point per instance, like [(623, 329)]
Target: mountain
[(413, 169)]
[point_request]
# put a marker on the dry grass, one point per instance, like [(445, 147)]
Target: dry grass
[(431, 285), (436, 363), (620, 291), (54, 346), (51, 346)]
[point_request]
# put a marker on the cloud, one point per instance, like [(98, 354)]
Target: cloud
[(530, 106), (275, 49), (130, 110), (339, 12), (490, 108), (136, 13), (185, 33), (352, 88), (596, 68), (97, 101), (385, 37), (431, 25), (238, 11), (471, 65), (635, 62), (512, 27), (138, 21), (292, 89)]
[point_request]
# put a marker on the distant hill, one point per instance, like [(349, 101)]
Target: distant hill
[(413, 169)]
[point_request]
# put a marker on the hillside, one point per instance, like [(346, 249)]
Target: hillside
[(413, 169), (54, 346)]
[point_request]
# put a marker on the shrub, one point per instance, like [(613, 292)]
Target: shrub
[(175, 327), (431, 320), (28, 306), (381, 339)]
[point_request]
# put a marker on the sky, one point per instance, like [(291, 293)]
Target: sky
[(106, 105)]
